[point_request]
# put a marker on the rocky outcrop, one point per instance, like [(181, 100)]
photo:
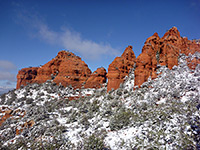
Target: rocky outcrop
[(97, 78), (192, 62), (66, 69), (163, 51), (156, 51), (146, 62), (119, 68), (26, 75), (14, 114)]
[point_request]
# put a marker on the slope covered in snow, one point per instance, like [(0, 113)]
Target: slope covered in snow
[(162, 114)]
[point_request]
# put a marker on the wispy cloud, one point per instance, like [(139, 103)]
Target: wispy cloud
[(73, 41), (7, 76), (7, 65), (67, 38), (6, 69)]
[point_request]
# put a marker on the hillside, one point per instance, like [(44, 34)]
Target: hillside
[(162, 114), (148, 102)]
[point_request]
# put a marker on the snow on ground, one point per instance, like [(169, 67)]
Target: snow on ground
[(164, 116)]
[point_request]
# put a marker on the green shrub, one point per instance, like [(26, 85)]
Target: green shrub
[(120, 120), (94, 143)]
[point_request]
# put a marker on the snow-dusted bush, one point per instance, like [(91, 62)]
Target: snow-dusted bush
[(162, 114)]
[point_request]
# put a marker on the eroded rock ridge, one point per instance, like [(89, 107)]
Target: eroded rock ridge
[(68, 69), (156, 51)]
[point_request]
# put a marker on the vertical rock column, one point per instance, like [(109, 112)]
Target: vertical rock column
[(119, 68)]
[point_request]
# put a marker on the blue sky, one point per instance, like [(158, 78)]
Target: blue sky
[(32, 32)]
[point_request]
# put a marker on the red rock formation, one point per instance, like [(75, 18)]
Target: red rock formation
[(14, 114), (66, 68), (97, 78), (164, 51), (192, 63), (146, 62), (119, 68), (26, 75)]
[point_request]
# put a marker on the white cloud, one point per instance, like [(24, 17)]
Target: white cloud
[(46, 34), (7, 65), (68, 39), (7, 76), (73, 41), (6, 71)]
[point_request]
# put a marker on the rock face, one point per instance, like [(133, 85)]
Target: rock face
[(26, 75), (163, 51), (156, 51), (66, 68), (26, 125), (146, 62), (119, 68), (97, 78)]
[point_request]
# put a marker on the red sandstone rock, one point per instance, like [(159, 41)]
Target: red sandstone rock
[(167, 50), (119, 68), (192, 63), (66, 68), (15, 114), (71, 69), (97, 78), (146, 62), (163, 51), (26, 75)]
